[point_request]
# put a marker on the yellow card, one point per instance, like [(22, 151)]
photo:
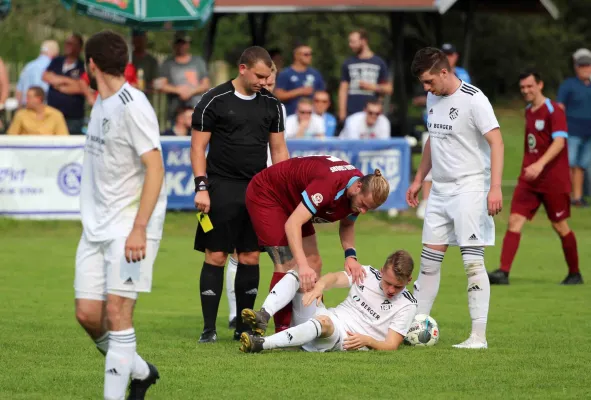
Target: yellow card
[(204, 221)]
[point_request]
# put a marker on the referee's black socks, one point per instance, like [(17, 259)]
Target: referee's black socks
[(211, 285), (246, 287)]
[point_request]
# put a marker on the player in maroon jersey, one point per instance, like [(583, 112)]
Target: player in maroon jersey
[(544, 179), (284, 201)]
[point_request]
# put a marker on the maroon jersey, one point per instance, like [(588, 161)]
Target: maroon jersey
[(541, 128), (320, 182)]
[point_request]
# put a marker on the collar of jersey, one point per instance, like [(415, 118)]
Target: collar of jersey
[(116, 94), (351, 181), (243, 97)]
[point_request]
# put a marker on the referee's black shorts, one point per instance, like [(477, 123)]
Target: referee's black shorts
[(232, 228)]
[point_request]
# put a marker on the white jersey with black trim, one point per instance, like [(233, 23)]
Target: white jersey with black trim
[(460, 154), (122, 128), (368, 311)]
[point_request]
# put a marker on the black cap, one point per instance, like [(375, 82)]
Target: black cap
[(449, 48), (181, 36)]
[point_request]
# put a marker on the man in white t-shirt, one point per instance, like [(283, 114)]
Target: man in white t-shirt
[(123, 205), (376, 314), (371, 123), (304, 124), (465, 154)]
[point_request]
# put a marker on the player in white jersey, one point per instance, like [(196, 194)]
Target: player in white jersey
[(376, 314), (123, 204), (465, 154)]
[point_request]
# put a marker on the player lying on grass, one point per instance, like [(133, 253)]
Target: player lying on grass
[(284, 201), (375, 315)]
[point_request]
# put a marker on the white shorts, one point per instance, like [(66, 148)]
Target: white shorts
[(332, 343), (101, 268), (460, 220)]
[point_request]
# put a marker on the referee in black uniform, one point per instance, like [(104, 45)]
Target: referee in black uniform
[(238, 119)]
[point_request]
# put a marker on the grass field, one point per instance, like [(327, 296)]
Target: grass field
[(539, 342)]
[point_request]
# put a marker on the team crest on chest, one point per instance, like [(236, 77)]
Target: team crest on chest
[(106, 126), (453, 113), (540, 123)]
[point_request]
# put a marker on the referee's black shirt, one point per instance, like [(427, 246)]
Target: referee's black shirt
[(240, 127)]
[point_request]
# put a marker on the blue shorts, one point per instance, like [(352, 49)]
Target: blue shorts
[(579, 151)]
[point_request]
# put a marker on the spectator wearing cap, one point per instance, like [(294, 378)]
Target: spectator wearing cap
[(145, 64), (321, 106), (37, 118), (299, 80), (364, 76), (574, 95), (453, 56), (182, 124), (32, 73), (367, 124), (64, 72), (183, 76)]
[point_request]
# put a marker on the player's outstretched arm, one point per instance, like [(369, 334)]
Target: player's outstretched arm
[(328, 281), (347, 236), (392, 342), (293, 231), (497, 155)]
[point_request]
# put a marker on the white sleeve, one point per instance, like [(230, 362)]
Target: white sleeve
[(403, 319), (142, 126), (291, 126), (349, 277), (383, 130), (318, 125), (345, 133), (483, 115)]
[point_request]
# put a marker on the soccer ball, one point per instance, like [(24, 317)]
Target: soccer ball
[(423, 331)]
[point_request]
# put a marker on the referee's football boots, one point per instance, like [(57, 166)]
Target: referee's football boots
[(257, 320), (208, 336), (251, 343)]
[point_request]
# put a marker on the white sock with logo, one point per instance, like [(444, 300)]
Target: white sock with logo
[(230, 293), (119, 363), (294, 337), (282, 293), (140, 368), (427, 285), (478, 289)]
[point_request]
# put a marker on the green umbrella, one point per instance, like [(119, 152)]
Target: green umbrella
[(147, 15)]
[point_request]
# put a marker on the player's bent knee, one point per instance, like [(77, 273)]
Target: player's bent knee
[(436, 247), (88, 317), (561, 227), (217, 258), (327, 327), (516, 222), (250, 258)]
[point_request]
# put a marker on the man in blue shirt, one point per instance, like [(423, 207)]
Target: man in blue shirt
[(32, 74), (63, 74), (321, 106), (574, 95), (298, 80), (364, 77)]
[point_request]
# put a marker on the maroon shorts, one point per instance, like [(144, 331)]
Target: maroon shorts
[(268, 218), (526, 202)]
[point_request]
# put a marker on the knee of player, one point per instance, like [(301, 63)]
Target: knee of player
[(217, 258), (250, 258), (88, 317), (326, 325), (561, 227), (516, 222)]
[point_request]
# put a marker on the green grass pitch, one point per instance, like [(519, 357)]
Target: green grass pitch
[(538, 335)]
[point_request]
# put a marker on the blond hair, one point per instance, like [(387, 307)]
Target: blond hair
[(377, 185), (401, 264)]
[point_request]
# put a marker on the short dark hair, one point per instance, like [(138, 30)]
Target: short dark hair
[(375, 102), (429, 59), (181, 109), (39, 92), (526, 73), (254, 54), (79, 38), (275, 52), (109, 52), (361, 32)]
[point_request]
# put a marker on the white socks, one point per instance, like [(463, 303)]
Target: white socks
[(294, 337), (478, 289), (282, 293), (230, 293), (121, 362), (301, 314), (427, 285)]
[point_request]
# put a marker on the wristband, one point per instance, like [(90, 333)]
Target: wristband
[(201, 184), (350, 252)]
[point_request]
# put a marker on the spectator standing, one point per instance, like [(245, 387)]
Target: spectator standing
[(304, 124), (367, 124), (183, 76), (321, 105), (453, 56), (65, 71), (32, 73), (37, 118), (145, 64), (364, 76), (574, 95), (298, 80)]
